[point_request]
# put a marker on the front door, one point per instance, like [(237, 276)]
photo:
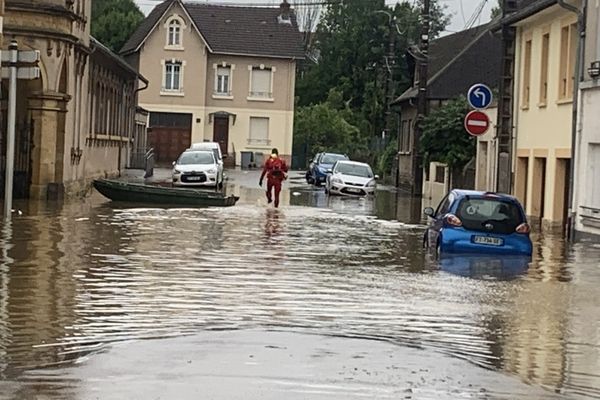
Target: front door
[(221, 133)]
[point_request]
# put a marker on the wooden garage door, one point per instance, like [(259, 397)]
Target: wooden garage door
[(169, 134), (169, 143)]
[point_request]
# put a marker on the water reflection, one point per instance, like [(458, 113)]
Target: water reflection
[(485, 267), (77, 278)]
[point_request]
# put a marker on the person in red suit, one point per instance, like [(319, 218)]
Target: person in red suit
[(276, 170)]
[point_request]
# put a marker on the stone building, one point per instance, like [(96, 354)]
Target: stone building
[(77, 121)]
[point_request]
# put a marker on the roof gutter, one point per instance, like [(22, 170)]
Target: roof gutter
[(581, 16)]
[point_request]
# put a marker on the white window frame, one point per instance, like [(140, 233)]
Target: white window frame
[(255, 98), (259, 142), (172, 92), (182, 27), (216, 93)]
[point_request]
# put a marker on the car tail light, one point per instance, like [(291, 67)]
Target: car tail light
[(523, 228), (453, 220)]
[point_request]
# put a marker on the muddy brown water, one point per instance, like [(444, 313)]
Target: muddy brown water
[(79, 277)]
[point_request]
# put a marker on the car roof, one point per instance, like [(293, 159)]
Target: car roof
[(477, 193), (199, 151), (334, 154), (212, 145)]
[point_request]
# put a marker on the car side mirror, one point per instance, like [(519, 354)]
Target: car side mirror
[(429, 212), (376, 177), (174, 163), (330, 171)]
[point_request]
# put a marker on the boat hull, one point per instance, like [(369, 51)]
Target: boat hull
[(140, 193)]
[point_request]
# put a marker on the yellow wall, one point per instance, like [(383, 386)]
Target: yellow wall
[(199, 83), (543, 131)]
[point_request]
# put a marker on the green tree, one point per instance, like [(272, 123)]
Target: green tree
[(114, 21), (353, 43), (444, 137), (497, 10)]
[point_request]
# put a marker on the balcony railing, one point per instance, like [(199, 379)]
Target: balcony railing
[(222, 94), (259, 142), (261, 95)]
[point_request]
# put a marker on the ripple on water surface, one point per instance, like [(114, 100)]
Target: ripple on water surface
[(75, 285)]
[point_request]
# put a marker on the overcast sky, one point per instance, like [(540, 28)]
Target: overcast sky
[(461, 10)]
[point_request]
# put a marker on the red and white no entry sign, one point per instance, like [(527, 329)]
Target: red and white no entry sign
[(477, 123)]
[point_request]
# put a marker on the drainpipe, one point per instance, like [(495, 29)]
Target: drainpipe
[(581, 13)]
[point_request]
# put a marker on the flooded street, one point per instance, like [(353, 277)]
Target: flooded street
[(92, 291)]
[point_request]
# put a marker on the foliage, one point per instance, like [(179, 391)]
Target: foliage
[(114, 21), (328, 126), (444, 138), (385, 161), (352, 42), (497, 10)]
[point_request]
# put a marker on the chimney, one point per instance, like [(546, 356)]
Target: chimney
[(284, 16)]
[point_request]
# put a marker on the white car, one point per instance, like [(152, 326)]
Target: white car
[(197, 168), (351, 178), (215, 148)]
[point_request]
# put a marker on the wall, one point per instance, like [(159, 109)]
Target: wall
[(485, 175), (543, 130), (586, 198), (194, 55)]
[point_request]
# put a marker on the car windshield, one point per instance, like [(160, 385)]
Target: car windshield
[(196, 157), (332, 158), (363, 171), (489, 215)]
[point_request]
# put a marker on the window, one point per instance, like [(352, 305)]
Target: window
[(544, 73), (223, 79), (568, 53), (444, 206), (260, 85), (526, 73), (173, 76), (440, 174), (174, 33), (259, 131), (489, 215)]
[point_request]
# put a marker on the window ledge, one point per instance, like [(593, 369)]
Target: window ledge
[(525, 107), (564, 101), (542, 105), (404, 153), (168, 93), (268, 100), (174, 48), (222, 97)]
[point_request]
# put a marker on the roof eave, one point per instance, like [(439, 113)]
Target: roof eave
[(527, 12), (229, 53)]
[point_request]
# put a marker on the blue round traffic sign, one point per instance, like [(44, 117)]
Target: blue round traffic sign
[(480, 96)]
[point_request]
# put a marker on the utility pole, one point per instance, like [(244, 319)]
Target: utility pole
[(423, 61), (390, 64), (10, 133)]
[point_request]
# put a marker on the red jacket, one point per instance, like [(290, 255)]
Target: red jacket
[(275, 169)]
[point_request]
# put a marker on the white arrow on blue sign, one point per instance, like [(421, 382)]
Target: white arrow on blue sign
[(480, 96)]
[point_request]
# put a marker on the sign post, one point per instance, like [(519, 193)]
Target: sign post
[(476, 123), (20, 65)]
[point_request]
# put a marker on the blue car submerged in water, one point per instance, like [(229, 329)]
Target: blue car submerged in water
[(478, 222), (321, 164)]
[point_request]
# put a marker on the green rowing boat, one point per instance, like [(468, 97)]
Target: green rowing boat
[(141, 193)]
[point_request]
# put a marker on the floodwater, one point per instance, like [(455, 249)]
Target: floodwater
[(90, 279)]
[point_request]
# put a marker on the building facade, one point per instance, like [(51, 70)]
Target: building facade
[(218, 73), (546, 46), (457, 62), (75, 122), (586, 198)]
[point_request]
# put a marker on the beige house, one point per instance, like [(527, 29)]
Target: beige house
[(546, 46), (218, 73), (75, 122), (586, 199)]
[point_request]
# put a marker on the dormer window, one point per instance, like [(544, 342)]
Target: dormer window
[(174, 33), (174, 27)]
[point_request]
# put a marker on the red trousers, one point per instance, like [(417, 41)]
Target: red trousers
[(273, 184)]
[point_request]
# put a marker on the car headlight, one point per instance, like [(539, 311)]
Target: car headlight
[(176, 171), (337, 180), (211, 171), (371, 184)]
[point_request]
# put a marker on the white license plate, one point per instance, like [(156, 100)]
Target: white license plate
[(352, 190), (194, 178), (492, 241)]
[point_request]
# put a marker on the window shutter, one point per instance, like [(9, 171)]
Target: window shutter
[(261, 82)]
